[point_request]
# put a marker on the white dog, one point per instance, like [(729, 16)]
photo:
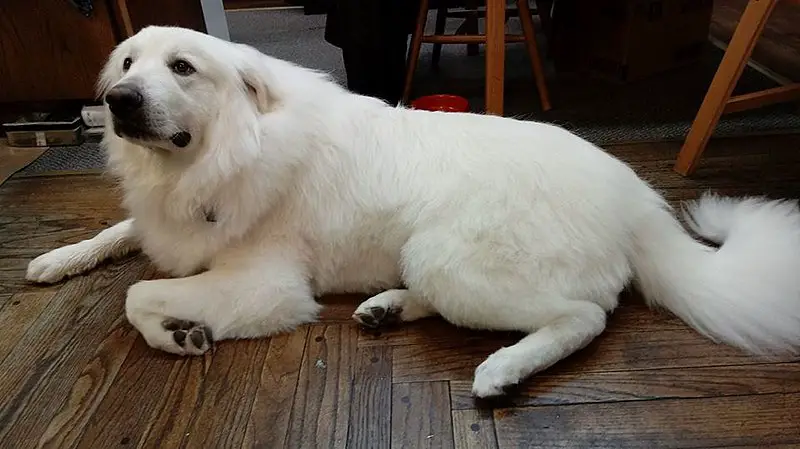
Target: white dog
[(259, 185)]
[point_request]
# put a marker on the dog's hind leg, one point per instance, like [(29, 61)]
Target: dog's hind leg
[(391, 306), (247, 297), (578, 324), (78, 258)]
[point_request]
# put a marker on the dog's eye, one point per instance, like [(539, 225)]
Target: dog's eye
[(182, 67), (126, 64)]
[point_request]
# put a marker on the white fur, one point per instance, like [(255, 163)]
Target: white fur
[(490, 222)]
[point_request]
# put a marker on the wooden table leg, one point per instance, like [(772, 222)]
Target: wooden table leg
[(495, 55), (730, 69)]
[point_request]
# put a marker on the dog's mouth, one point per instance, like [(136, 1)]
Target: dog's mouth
[(136, 132)]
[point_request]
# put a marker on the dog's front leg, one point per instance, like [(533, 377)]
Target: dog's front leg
[(78, 258), (241, 298)]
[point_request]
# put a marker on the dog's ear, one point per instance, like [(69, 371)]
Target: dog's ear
[(257, 78), (257, 87)]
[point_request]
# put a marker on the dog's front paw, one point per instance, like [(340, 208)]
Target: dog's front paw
[(58, 264), (145, 307), (193, 338)]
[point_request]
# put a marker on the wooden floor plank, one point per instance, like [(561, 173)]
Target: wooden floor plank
[(16, 315), (421, 417), (177, 404), (757, 421), (339, 308), (370, 409), (222, 413), (474, 429), (125, 415), (43, 213), (90, 388), (319, 416), (48, 359), (643, 385), (268, 425)]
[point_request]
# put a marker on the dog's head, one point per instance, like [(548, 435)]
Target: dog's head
[(166, 87)]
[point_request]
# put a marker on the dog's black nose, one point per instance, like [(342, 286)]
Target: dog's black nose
[(124, 100)]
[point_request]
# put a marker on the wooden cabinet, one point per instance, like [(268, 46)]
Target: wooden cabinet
[(50, 51)]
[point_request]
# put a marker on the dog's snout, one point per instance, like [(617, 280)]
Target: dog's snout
[(124, 100)]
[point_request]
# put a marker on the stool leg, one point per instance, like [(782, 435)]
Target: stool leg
[(533, 51), (441, 22), (544, 9), (730, 69), (495, 55), (416, 45), (472, 25)]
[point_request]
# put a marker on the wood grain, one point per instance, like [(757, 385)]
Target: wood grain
[(421, 416), (171, 417), (474, 429), (757, 421), (16, 314), (322, 402), (643, 385), (45, 52), (62, 341), (370, 409), (223, 410), (268, 426), (125, 413), (90, 388)]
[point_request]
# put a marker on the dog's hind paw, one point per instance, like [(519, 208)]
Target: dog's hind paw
[(376, 316)]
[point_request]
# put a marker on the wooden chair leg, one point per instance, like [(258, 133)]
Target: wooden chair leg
[(495, 55), (416, 45), (730, 69), (533, 52), (441, 22)]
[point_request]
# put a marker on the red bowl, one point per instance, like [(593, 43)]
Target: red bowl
[(441, 102)]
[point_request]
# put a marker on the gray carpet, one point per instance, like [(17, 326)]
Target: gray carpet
[(656, 109)]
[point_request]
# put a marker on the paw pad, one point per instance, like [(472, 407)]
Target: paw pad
[(199, 339), (378, 316)]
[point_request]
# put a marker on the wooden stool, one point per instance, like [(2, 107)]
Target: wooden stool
[(718, 99), (495, 40)]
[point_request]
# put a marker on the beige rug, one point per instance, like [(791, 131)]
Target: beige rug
[(13, 159)]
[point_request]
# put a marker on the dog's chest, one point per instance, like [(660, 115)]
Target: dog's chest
[(182, 247)]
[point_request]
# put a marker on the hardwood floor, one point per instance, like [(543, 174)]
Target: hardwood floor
[(75, 374)]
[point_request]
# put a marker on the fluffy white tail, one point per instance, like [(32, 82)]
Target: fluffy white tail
[(747, 292)]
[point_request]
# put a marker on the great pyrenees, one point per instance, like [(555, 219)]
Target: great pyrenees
[(259, 185)]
